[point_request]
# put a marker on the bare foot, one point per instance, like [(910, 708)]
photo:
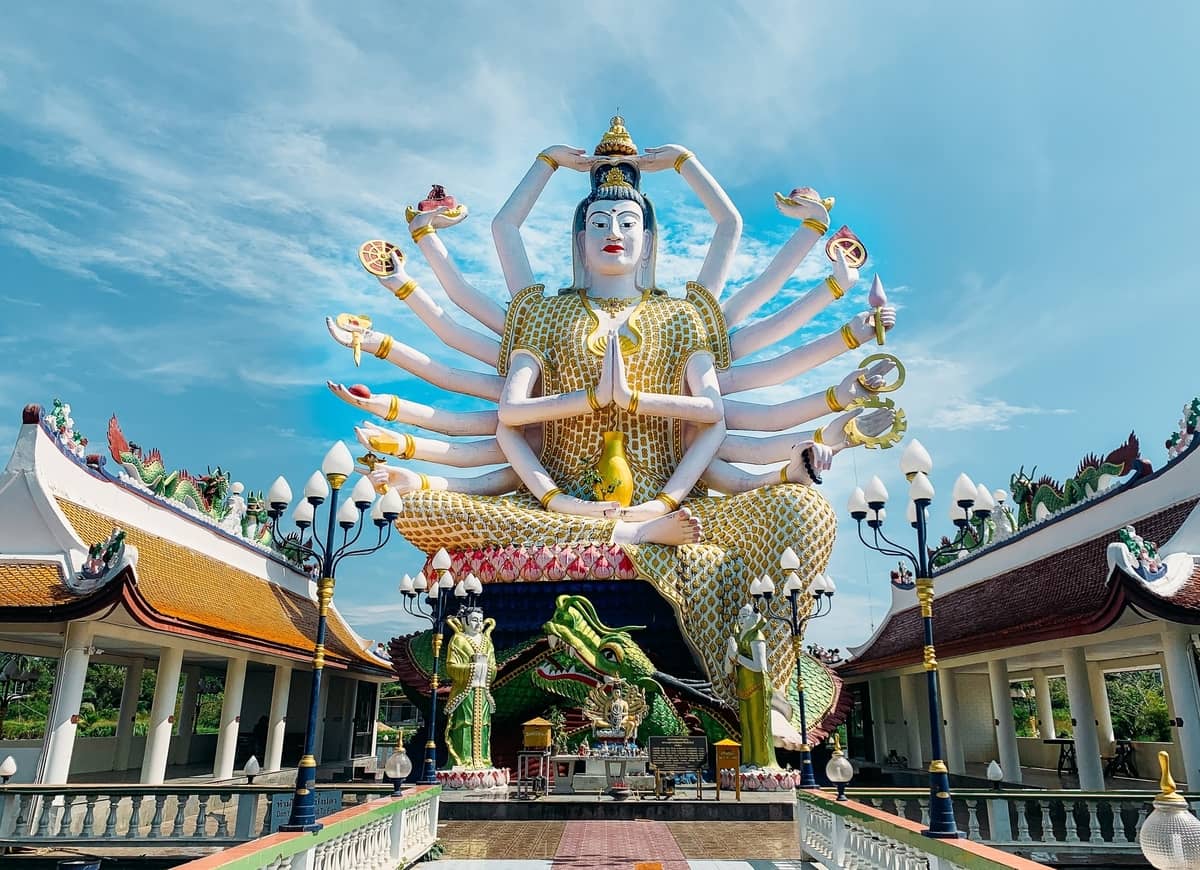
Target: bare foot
[(678, 527)]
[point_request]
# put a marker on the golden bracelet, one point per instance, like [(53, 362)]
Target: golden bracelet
[(633, 402), (422, 232), (385, 347), (671, 504), (815, 225), (549, 497), (819, 436), (393, 410), (405, 290), (593, 402), (848, 337), (410, 447), (834, 287), (424, 481), (831, 400), (783, 475), (682, 159), (549, 161)]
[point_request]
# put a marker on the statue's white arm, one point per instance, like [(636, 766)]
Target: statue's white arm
[(506, 225), (480, 384), (756, 451), (458, 454), (728, 233), (784, 367), (416, 414), (405, 480), (450, 331), (704, 405), (794, 412), (746, 301), (518, 405), (784, 323), (461, 292)]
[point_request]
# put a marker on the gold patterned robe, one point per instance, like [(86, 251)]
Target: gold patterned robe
[(744, 534)]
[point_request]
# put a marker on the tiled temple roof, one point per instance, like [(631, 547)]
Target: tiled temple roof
[(1064, 594)]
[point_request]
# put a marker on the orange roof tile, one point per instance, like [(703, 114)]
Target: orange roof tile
[(185, 585), (33, 584)]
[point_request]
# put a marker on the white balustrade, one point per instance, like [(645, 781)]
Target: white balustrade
[(1050, 821)]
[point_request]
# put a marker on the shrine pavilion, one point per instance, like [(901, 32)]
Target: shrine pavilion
[(1075, 592), (97, 566)]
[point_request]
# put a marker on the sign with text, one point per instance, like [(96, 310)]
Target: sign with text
[(679, 753), (328, 802)]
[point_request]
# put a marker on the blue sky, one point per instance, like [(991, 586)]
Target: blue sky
[(183, 188)]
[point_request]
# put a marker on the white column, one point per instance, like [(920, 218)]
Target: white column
[(1104, 726), (1184, 698), (1083, 717), (182, 745), (162, 716), (375, 720), (128, 715), (1006, 732), (948, 687), (231, 717), (64, 706), (1045, 705), (277, 724), (878, 719), (910, 704)]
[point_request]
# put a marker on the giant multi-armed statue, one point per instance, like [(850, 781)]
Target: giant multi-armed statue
[(613, 444)]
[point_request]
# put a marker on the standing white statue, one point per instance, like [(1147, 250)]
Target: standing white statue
[(612, 423)]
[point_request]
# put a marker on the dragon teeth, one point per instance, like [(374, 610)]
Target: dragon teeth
[(553, 640)]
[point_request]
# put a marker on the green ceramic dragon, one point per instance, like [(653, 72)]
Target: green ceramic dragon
[(577, 652), (1038, 499), (206, 494)]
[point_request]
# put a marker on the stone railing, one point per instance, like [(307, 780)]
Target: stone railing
[(847, 834), (380, 834), (1050, 824), (165, 816)]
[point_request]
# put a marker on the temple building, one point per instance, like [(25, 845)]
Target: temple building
[(127, 564), (1096, 575)]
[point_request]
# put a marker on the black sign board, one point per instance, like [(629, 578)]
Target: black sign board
[(679, 753)]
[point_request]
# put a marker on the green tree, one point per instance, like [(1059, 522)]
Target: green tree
[(1138, 705)]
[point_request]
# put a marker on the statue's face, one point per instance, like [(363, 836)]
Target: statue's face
[(475, 623), (614, 237), (747, 618)]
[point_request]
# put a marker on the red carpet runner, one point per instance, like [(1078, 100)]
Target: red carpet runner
[(618, 846)]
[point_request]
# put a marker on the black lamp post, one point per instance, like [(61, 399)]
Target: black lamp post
[(435, 609), (970, 503), (327, 483), (765, 602)]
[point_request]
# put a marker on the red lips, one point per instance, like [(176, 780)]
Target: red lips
[(613, 249)]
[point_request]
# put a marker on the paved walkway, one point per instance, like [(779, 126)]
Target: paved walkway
[(620, 845)]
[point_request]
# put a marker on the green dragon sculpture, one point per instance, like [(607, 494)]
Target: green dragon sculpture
[(207, 494), (577, 652), (1038, 499)]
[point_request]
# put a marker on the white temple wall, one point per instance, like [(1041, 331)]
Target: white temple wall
[(893, 717), (976, 730), (96, 754), (27, 754)]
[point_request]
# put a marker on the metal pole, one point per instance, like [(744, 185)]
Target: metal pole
[(304, 803), (941, 805), (807, 779), (429, 772)]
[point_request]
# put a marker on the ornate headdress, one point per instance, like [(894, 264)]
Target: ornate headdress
[(616, 141)]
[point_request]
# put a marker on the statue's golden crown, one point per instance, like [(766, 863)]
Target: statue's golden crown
[(616, 141), (615, 178)]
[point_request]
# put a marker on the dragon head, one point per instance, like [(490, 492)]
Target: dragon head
[(585, 652)]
